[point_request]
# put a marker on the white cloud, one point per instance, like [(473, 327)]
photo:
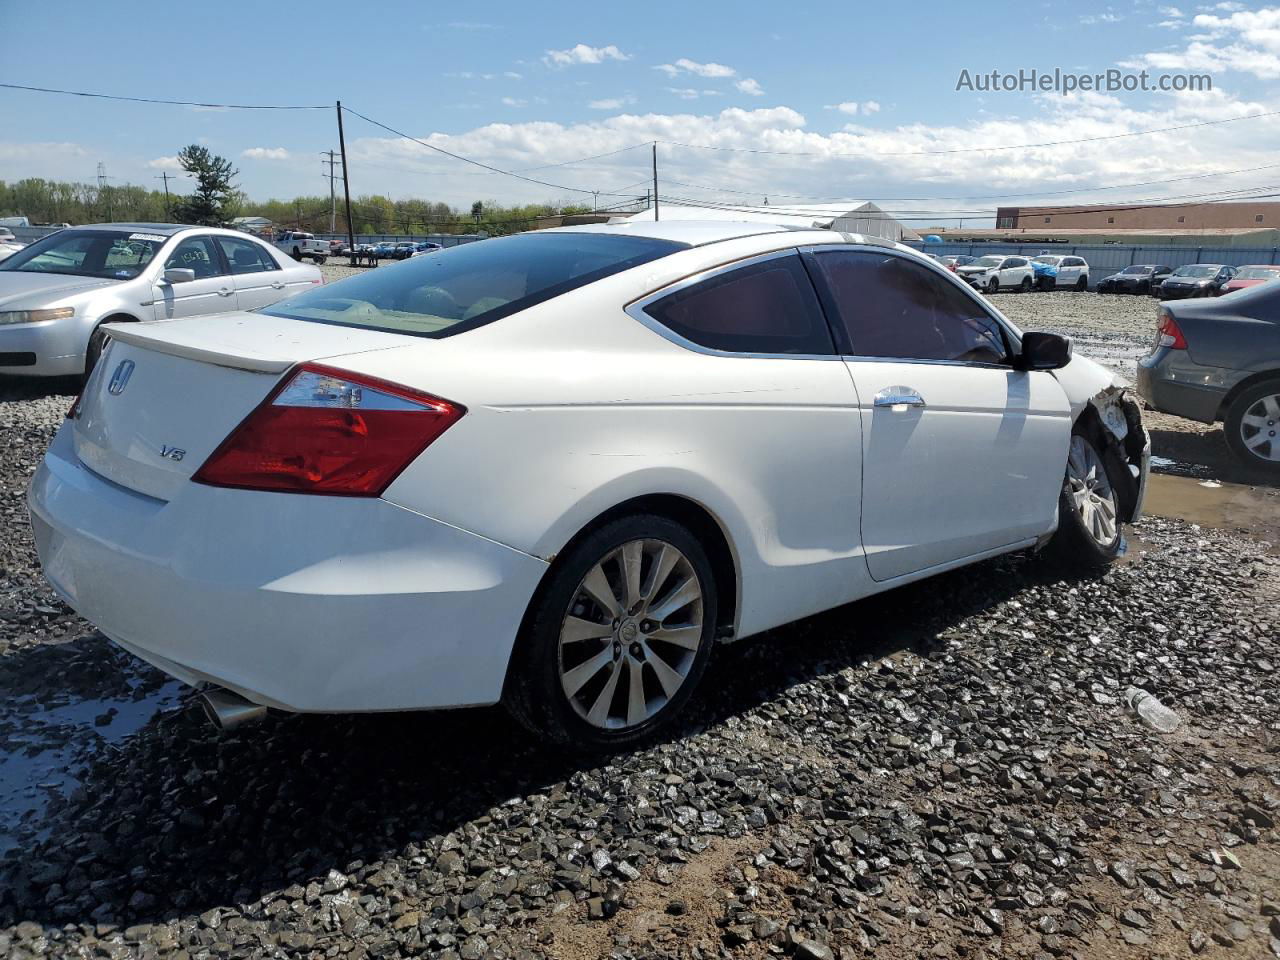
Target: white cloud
[(1243, 41), (1101, 18), (871, 106), (1172, 12), (513, 102), (611, 103), (711, 71), (164, 163), (750, 87), (512, 75), (848, 106), (882, 163), (581, 53), (266, 153), (692, 93)]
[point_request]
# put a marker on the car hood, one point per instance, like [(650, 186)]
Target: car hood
[(969, 268), (17, 287), (1241, 284), (1187, 281)]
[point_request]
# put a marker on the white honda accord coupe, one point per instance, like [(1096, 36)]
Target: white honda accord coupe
[(554, 470)]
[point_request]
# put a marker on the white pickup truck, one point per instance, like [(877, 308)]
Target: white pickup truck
[(301, 245)]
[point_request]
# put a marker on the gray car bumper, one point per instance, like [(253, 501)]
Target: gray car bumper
[(1172, 383), (53, 348)]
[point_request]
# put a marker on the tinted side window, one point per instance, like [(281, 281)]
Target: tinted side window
[(1015, 262), (767, 307), (893, 308), (245, 256), (198, 254)]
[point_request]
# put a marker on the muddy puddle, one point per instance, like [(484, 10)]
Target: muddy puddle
[(1233, 507)]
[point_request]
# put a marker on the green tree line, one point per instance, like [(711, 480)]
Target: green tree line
[(52, 201)]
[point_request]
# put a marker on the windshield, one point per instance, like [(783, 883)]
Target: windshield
[(1258, 273), (108, 254), (1196, 270), (986, 262), (1051, 261), (473, 283)]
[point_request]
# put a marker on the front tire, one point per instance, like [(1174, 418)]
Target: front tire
[(1090, 531), (297, 254), (993, 285), (617, 637), (1025, 285), (1252, 426)]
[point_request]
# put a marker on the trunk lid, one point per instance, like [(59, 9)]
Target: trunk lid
[(165, 394)]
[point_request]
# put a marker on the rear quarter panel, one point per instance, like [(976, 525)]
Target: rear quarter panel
[(1239, 332)]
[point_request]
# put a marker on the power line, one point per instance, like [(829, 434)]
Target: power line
[(477, 163), (989, 196), (1009, 146), (176, 103)]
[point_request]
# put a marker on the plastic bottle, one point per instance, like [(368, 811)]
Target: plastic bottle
[(1151, 711)]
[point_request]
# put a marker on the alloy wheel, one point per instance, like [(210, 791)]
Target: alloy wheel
[(631, 634), (1260, 428), (1091, 491)]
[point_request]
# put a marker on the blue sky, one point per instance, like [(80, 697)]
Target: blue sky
[(523, 85)]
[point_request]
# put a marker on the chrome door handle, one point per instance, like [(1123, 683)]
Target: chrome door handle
[(277, 285), (900, 397), (224, 292)]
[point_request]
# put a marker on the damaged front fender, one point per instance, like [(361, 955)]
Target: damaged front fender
[(1101, 395)]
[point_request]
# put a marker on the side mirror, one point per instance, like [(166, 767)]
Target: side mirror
[(179, 275), (1044, 351)]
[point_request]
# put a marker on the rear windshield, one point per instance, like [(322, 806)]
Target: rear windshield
[(460, 288)]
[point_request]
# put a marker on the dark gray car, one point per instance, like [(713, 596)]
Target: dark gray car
[(1219, 360)]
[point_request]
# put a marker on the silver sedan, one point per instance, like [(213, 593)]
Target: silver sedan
[(57, 292)]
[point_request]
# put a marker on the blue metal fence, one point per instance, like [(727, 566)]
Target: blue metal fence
[(1107, 258)]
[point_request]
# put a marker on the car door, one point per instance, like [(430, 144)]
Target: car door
[(258, 278), (1012, 272), (212, 290), (1068, 272), (963, 453)]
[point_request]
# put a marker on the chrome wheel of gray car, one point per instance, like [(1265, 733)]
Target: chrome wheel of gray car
[(631, 634), (1260, 428), (1091, 490)]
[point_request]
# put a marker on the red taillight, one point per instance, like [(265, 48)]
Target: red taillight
[(329, 431), (1168, 334)]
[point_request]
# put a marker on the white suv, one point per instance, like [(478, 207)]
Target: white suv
[(993, 272), (1054, 272)]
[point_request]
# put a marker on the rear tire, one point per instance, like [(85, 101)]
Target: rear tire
[(1082, 284), (604, 661), (1090, 532), (1252, 426), (297, 254)]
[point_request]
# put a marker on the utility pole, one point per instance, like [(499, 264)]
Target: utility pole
[(104, 192), (346, 187), (655, 181), (333, 203), (168, 207)]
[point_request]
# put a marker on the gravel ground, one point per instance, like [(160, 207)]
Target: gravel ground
[(948, 770)]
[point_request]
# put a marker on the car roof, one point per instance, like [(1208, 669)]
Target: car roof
[(696, 233), (168, 229)]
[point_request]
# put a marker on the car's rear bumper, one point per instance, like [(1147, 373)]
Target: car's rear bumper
[(304, 603), (1171, 382)]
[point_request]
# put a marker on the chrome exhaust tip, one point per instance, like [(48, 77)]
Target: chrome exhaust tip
[(227, 710)]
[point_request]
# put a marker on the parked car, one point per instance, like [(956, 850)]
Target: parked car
[(425, 248), (301, 245), (403, 251), (1220, 362), (337, 247), (58, 292), (9, 247), (384, 250), (1251, 276), (1139, 278), (952, 261), (370, 429), (1195, 280), (6, 236), (1053, 272), (994, 272)]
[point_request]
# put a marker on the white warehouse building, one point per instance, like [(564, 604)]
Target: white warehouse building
[(864, 218)]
